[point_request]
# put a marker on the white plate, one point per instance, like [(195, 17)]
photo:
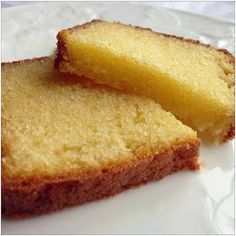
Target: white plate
[(184, 203)]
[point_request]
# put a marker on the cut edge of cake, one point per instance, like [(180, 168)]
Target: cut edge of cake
[(62, 57), (23, 197)]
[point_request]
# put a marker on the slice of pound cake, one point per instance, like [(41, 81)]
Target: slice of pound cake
[(192, 80), (66, 143)]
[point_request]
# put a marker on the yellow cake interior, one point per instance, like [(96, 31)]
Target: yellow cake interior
[(53, 124)]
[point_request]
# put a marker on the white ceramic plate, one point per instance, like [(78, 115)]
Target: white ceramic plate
[(184, 203)]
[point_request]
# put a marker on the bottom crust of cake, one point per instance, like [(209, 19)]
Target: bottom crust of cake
[(38, 195), (230, 134)]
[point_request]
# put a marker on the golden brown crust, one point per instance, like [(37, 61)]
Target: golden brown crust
[(61, 51), (39, 59), (38, 195), (231, 134)]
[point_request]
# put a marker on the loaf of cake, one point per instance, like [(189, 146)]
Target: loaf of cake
[(66, 141), (193, 81)]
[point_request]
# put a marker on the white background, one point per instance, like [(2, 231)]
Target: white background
[(221, 10)]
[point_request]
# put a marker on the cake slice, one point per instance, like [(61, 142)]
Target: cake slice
[(65, 142), (192, 80)]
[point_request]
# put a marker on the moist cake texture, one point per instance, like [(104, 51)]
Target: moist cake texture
[(192, 80), (66, 142)]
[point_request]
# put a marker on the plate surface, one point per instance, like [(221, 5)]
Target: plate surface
[(184, 203)]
